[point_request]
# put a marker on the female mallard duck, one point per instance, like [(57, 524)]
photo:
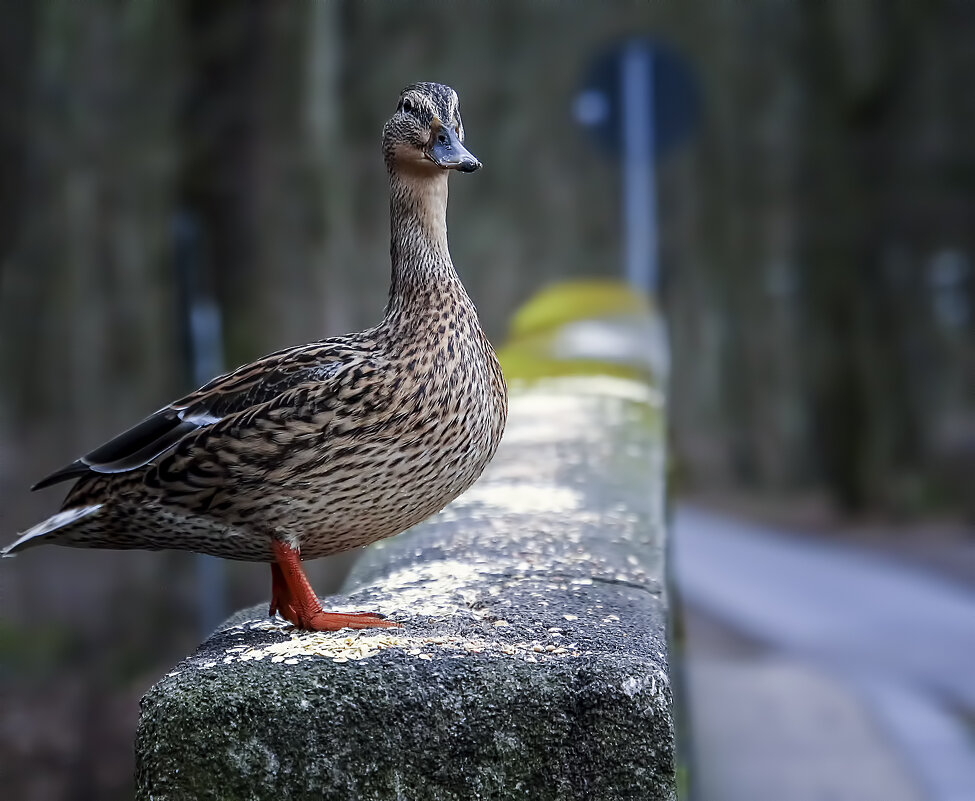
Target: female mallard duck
[(319, 448)]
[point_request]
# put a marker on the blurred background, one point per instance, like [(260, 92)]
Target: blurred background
[(185, 186)]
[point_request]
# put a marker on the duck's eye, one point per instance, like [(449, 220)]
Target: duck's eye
[(406, 105)]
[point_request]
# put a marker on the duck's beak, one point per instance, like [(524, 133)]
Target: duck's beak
[(447, 152)]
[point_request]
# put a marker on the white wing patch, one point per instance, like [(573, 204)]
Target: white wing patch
[(200, 418)]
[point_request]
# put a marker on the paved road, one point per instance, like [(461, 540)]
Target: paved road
[(901, 640), (773, 729)]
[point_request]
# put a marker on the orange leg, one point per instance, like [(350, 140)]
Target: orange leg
[(293, 597), (280, 595)]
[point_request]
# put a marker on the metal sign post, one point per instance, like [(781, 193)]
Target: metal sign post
[(201, 329), (638, 173), (638, 100)]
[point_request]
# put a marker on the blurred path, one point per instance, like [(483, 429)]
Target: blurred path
[(896, 642), (776, 730)]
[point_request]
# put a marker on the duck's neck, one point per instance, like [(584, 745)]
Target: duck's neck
[(423, 273)]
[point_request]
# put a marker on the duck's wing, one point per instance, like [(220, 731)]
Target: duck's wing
[(247, 458), (246, 387)]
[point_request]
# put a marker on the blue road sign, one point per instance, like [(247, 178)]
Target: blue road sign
[(672, 93), (638, 100)]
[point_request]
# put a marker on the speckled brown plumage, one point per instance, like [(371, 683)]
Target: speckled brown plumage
[(328, 446)]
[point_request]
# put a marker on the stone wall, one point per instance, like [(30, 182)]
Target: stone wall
[(532, 661)]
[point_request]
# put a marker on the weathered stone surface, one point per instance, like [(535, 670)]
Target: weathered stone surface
[(531, 664)]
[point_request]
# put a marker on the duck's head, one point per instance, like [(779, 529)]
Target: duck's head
[(426, 133)]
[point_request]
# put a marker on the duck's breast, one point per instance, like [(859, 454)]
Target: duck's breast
[(433, 439)]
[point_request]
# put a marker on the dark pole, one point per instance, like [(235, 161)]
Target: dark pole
[(202, 348), (638, 168)]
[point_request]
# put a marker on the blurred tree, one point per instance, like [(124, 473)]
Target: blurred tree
[(830, 176), (865, 425), (16, 49), (866, 324)]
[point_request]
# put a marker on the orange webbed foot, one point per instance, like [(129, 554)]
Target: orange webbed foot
[(333, 621), (293, 598)]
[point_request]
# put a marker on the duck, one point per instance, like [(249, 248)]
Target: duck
[(325, 447)]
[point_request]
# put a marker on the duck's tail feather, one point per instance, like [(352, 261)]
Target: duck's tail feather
[(56, 529)]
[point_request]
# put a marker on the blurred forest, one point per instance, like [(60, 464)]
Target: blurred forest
[(817, 241)]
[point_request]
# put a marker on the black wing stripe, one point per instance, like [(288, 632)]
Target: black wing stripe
[(245, 388), (73, 470), (133, 448), (137, 458), (134, 440)]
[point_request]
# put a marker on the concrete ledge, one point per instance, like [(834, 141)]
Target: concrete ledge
[(532, 662)]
